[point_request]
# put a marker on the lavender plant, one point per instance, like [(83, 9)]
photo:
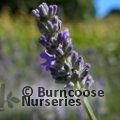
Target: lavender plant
[(63, 62)]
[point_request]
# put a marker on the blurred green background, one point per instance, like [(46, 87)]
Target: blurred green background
[(98, 40)]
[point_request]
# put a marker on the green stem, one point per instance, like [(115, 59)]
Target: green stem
[(87, 105)]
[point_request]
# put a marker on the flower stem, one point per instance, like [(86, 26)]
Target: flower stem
[(87, 105)]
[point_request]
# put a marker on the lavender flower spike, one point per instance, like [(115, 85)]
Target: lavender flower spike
[(61, 59)]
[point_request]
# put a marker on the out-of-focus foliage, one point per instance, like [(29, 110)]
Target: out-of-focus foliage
[(97, 40), (72, 8)]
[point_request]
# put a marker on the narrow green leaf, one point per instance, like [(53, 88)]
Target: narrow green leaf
[(15, 100)]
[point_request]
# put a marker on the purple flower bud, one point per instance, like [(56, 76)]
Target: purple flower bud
[(59, 52), (88, 81), (50, 59), (87, 66), (68, 67), (78, 61), (43, 11), (74, 56), (54, 40), (85, 71), (54, 19), (45, 6), (48, 64), (78, 65), (84, 74), (53, 27), (36, 13), (50, 26), (68, 51), (43, 41), (59, 24), (56, 65), (58, 73), (56, 28), (51, 11), (69, 86), (64, 35), (69, 46), (55, 8), (47, 56)]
